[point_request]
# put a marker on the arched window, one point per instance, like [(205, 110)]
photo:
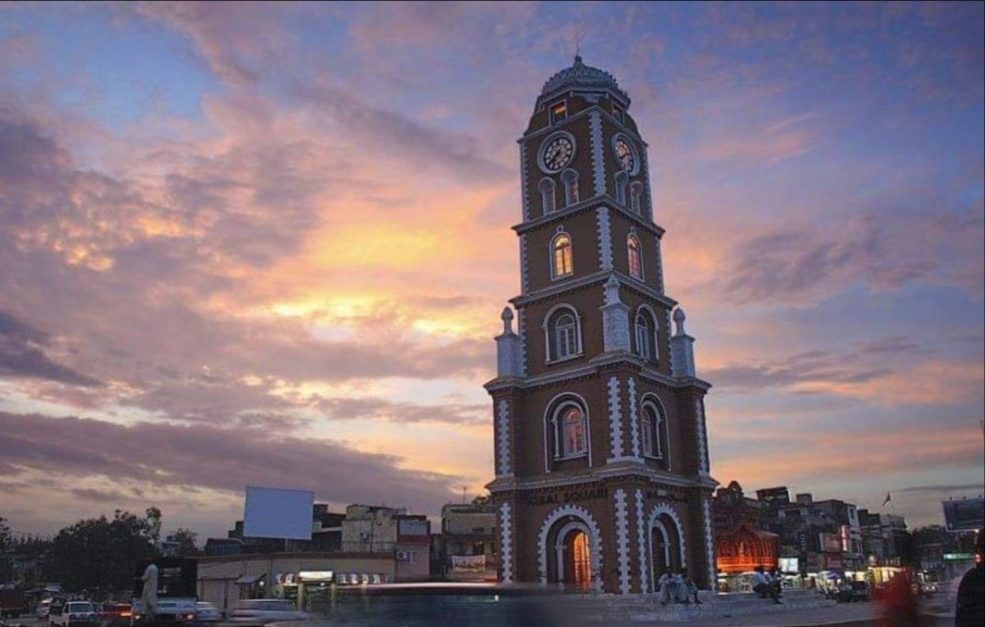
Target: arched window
[(645, 334), (547, 195), (562, 334), (635, 257), (570, 430), (654, 430), (622, 180), (636, 197), (570, 180), (562, 256), (566, 336)]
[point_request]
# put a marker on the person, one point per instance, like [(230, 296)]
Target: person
[(667, 588), (971, 591), (776, 584), (149, 594), (762, 586), (899, 602), (689, 588)]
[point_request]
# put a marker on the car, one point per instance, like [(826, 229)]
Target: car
[(264, 611), (43, 608), (206, 612), (115, 615), (55, 609), (74, 614)]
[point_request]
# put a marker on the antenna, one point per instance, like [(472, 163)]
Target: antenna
[(464, 488), (577, 42)]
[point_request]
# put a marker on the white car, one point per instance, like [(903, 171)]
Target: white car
[(264, 611), (75, 613)]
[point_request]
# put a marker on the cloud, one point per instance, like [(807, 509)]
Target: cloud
[(21, 355), (216, 458)]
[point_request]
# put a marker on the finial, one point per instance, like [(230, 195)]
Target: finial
[(679, 317), (507, 318), (577, 45)]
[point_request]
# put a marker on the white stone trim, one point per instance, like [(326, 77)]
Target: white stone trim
[(622, 540), (700, 430), (659, 266), (634, 419), (598, 151), (709, 543), (503, 423), (524, 273), (524, 191), (615, 419), (551, 432), (506, 542), (549, 346), (641, 535), (666, 508), (547, 141), (521, 328), (647, 194), (595, 537), (604, 233)]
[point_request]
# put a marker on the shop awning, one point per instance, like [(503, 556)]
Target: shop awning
[(249, 579)]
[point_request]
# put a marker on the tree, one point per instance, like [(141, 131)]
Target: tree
[(184, 540), (6, 548), (99, 554)]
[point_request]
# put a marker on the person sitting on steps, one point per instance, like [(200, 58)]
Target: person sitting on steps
[(668, 589), (763, 586), (689, 589)]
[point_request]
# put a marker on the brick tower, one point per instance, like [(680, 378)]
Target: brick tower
[(602, 474)]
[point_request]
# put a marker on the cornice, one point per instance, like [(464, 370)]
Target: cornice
[(572, 285), (593, 368), (618, 470), (584, 205)]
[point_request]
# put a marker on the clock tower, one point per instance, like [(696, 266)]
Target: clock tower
[(602, 472)]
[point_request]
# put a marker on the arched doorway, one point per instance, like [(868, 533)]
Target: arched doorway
[(571, 561), (578, 560), (665, 547)]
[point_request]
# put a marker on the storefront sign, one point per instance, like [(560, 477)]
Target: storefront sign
[(471, 563), (789, 565), (315, 575)]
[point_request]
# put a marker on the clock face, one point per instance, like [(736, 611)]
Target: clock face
[(558, 153), (625, 156)]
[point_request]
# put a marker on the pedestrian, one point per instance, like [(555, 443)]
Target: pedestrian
[(971, 592), (762, 585), (666, 583), (688, 588), (899, 603), (149, 593), (776, 583)]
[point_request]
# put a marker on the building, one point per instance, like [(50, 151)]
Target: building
[(378, 529), (467, 545), (740, 545), (602, 470)]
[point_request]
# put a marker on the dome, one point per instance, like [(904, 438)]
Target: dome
[(581, 75)]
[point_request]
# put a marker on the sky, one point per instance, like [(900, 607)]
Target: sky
[(268, 244)]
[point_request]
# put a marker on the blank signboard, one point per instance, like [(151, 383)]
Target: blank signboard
[(278, 513)]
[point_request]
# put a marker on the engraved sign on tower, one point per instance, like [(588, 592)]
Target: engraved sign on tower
[(602, 471)]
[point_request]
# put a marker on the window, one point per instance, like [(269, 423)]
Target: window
[(566, 336), (653, 430), (559, 111), (562, 334), (642, 336), (636, 197), (635, 258), (617, 111), (570, 431), (570, 180), (562, 256), (622, 180), (547, 195)]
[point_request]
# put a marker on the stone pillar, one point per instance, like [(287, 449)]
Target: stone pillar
[(508, 348), (681, 349), (615, 319)]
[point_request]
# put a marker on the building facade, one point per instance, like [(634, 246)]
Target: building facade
[(602, 471), (740, 545), (468, 542)]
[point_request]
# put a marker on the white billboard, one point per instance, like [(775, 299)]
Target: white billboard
[(278, 513)]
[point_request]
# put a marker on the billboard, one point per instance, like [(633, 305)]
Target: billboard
[(964, 515), (278, 513)]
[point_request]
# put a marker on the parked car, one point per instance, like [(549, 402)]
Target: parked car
[(74, 614), (850, 591), (207, 613), (264, 611), (43, 608), (55, 609), (115, 615)]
